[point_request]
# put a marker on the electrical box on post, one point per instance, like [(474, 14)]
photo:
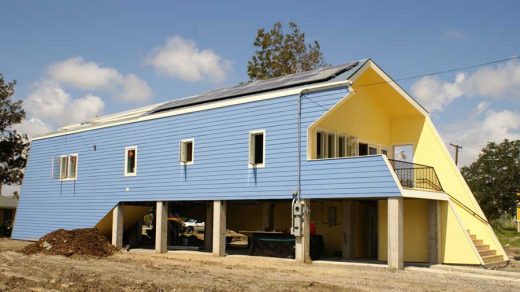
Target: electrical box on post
[(297, 217)]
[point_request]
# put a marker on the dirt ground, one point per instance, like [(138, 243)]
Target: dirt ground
[(143, 270)]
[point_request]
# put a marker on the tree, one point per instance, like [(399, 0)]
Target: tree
[(13, 146), (495, 178), (280, 54)]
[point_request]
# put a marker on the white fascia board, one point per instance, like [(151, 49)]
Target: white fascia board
[(205, 106)]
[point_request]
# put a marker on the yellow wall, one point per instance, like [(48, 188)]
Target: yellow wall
[(332, 234), (381, 115), (249, 216), (415, 233)]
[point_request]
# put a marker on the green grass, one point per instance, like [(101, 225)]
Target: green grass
[(508, 235)]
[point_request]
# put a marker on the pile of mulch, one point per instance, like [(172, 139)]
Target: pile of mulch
[(87, 242)]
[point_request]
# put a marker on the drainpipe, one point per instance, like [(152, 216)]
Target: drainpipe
[(321, 87)]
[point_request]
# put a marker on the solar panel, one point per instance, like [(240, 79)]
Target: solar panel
[(259, 86)]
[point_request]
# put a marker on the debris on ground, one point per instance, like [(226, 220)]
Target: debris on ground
[(86, 241)]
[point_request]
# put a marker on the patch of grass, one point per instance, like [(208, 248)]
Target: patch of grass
[(508, 236)]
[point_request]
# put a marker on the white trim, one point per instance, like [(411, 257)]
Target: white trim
[(201, 107), (423, 194), (181, 143), (126, 161), (251, 133)]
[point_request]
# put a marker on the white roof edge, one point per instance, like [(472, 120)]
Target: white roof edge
[(133, 116)]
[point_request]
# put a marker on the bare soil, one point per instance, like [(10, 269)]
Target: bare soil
[(142, 270)]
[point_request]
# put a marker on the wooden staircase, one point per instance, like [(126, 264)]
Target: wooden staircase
[(489, 256)]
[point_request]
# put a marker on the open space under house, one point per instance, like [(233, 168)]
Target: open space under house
[(338, 163)]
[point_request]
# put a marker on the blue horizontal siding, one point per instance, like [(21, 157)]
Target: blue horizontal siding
[(220, 170)]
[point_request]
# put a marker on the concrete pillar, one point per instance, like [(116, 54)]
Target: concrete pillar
[(219, 228), (348, 230), (395, 233), (208, 227), (161, 227), (302, 243), (434, 232), (117, 226)]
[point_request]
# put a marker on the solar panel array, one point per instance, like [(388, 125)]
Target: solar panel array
[(259, 86)]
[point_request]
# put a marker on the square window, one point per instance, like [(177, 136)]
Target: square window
[(363, 149), (186, 151), (131, 161), (72, 166)]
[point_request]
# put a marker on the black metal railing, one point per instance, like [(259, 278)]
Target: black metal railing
[(416, 176)]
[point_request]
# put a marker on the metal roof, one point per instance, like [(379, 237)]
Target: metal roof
[(259, 86)]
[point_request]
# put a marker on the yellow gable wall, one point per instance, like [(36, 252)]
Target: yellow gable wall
[(430, 150)]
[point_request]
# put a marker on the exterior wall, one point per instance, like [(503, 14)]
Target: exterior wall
[(415, 230), (430, 150), (332, 233), (220, 170)]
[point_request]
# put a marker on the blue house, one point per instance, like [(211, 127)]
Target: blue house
[(342, 150)]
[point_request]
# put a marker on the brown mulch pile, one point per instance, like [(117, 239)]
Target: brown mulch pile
[(87, 241)]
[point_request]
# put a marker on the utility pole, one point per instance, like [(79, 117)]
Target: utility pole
[(457, 147)]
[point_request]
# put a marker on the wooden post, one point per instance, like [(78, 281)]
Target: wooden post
[(395, 233), (161, 227), (219, 228), (348, 230), (434, 232), (117, 226), (302, 243)]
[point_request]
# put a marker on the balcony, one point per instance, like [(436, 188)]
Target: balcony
[(416, 176)]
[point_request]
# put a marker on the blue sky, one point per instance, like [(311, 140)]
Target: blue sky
[(115, 47)]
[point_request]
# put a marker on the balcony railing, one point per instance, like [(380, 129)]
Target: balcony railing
[(416, 176)]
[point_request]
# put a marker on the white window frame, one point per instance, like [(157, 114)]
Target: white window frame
[(381, 148), (250, 163), (126, 161), (345, 146), (64, 175), (182, 142), (374, 146), (329, 155)]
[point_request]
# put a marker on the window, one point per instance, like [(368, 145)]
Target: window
[(342, 146), (331, 145), (362, 149), (65, 167), (257, 148), (186, 151), (384, 151), (131, 161), (372, 150), (320, 145), (352, 146)]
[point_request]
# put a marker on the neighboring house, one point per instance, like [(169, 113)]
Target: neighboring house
[(245, 151), (7, 212)]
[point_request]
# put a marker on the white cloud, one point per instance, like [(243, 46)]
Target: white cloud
[(181, 58), (455, 34), (135, 89), (479, 128), (502, 81), (49, 106), (81, 74)]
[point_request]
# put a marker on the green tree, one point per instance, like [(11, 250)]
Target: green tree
[(13, 145), (278, 54), (495, 178)]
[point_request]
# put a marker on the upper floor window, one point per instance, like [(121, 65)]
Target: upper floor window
[(257, 148), (131, 161), (66, 167), (186, 151)]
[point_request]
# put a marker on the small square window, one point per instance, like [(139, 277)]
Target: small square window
[(131, 161), (372, 150), (186, 151), (65, 167), (257, 148), (363, 149)]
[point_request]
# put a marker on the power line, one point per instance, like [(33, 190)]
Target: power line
[(442, 72)]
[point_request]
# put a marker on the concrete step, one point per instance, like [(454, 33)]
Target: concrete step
[(482, 247), (492, 258), (478, 241), (488, 252)]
